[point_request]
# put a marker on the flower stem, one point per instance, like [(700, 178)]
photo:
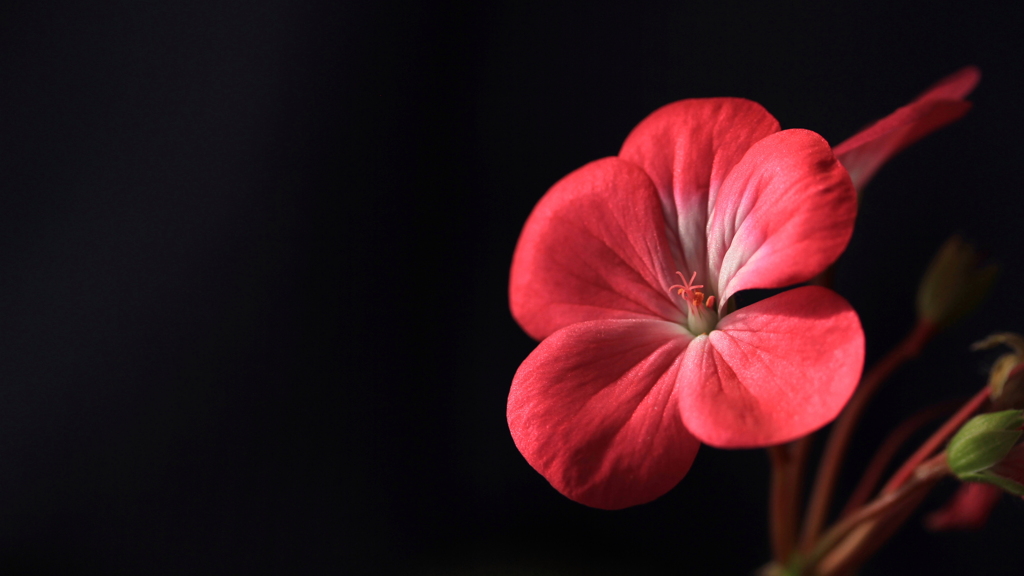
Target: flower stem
[(883, 456), (936, 440), (850, 541), (784, 499), (842, 430)]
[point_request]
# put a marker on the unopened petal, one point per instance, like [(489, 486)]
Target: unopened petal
[(784, 214), (594, 410), (865, 152), (773, 371), (956, 86), (595, 247)]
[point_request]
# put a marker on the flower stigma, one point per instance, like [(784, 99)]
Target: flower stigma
[(701, 314)]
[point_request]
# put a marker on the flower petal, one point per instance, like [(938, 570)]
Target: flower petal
[(594, 247), (687, 148), (784, 213), (773, 371), (593, 409), (956, 86), (865, 152)]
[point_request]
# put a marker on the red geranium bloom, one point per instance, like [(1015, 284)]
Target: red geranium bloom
[(635, 369)]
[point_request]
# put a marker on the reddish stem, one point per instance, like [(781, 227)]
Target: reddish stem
[(842, 429), (784, 498), (876, 533), (937, 440), (891, 445), (886, 511)]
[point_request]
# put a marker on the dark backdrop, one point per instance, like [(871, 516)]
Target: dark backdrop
[(254, 255)]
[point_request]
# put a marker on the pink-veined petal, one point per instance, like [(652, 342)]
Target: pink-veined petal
[(784, 213), (968, 509), (594, 247), (687, 148), (865, 152), (593, 409), (773, 371)]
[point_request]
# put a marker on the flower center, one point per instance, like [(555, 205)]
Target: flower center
[(701, 314)]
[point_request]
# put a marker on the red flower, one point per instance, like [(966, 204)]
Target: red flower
[(943, 103), (633, 370)]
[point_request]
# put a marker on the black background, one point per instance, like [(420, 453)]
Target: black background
[(254, 257)]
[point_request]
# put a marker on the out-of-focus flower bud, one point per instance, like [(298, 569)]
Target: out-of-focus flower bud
[(1006, 378), (954, 284), (968, 509), (984, 450)]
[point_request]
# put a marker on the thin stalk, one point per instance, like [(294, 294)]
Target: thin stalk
[(937, 440), (798, 451), (782, 502), (885, 453), (842, 430), (874, 536), (884, 507)]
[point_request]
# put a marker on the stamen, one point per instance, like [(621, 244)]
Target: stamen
[(701, 318)]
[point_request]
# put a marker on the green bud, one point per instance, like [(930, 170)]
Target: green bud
[(954, 284), (983, 442)]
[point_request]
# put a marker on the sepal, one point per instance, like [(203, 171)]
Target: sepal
[(1006, 484)]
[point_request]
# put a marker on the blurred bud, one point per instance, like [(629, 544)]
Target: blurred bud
[(954, 284), (984, 450), (1005, 379), (968, 509)]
